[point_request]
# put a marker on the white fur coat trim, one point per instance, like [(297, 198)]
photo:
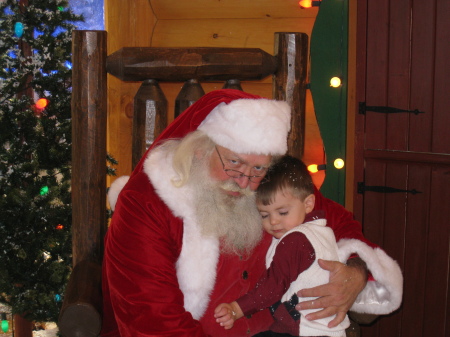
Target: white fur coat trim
[(196, 266), (114, 190), (383, 295)]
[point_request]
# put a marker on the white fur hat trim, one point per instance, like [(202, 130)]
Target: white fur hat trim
[(257, 126)]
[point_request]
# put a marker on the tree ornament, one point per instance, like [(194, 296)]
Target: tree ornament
[(59, 227), (57, 298), (18, 29)]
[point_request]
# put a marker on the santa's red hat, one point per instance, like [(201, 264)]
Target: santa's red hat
[(239, 121)]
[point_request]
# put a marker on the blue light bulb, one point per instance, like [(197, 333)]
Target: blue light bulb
[(18, 29)]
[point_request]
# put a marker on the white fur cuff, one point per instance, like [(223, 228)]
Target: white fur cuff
[(383, 295)]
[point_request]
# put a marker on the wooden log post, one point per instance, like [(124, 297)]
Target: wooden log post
[(149, 118), (88, 184), (22, 326), (190, 93), (88, 145), (289, 84), (233, 84)]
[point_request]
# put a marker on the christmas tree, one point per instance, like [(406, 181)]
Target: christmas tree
[(35, 154)]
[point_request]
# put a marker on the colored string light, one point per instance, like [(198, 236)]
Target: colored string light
[(42, 103), (18, 29), (305, 4), (335, 82), (5, 325), (314, 168), (44, 190), (339, 163)]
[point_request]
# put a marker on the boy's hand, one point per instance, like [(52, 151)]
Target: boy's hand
[(225, 315)]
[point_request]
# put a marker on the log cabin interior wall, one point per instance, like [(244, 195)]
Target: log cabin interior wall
[(205, 23)]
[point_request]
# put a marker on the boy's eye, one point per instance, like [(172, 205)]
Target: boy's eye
[(264, 216), (284, 213)]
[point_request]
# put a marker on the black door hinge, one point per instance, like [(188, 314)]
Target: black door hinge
[(384, 109), (383, 189)]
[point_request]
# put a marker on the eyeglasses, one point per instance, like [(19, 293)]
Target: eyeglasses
[(238, 174)]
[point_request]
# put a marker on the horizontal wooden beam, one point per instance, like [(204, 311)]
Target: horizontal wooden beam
[(182, 64), (409, 156)]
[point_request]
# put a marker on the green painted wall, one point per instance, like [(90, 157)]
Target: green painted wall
[(329, 54)]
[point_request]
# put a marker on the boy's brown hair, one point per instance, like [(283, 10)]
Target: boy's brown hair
[(287, 174)]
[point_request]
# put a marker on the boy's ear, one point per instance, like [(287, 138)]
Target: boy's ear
[(309, 202)]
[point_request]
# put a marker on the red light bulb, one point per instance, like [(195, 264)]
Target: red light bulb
[(42, 103)]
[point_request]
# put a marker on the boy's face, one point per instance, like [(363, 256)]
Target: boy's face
[(285, 213)]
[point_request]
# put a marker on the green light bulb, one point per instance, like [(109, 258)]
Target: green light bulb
[(44, 190), (5, 326)]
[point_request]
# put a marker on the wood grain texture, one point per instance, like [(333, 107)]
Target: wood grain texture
[(236, 33), (183, 64), (245, 9), (190, 93), (291, 51), (81, 310), (88, 145), (129, 24), (402, 48), (149, 117), (82, 300)]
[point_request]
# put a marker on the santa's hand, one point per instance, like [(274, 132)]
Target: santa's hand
[(337, 296), (225, 315)]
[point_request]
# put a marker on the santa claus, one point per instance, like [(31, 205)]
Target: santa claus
[(186, 235)]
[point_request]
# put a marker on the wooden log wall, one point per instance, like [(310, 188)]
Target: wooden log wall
[(198, 23)]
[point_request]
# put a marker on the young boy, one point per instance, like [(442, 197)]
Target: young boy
[(285, 200)]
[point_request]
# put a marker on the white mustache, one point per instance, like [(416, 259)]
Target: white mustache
[(233, 187)]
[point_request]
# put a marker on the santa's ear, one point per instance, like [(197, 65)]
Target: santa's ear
[(199, 153), (309, 202)]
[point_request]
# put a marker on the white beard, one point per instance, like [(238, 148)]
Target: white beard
[(235, 220)]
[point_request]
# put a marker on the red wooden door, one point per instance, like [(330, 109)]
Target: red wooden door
[(403, 48)]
